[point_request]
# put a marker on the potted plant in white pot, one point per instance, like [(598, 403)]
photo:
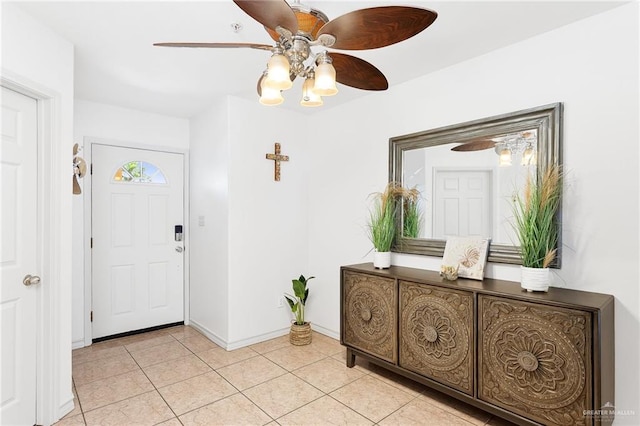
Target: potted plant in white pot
[(382, 225), (535, 213), (300, 333)]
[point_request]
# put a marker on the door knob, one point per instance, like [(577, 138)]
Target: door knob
[(30, 280), (179, 249)]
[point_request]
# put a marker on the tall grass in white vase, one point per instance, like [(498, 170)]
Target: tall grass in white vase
[(382, 225), (535, 217)]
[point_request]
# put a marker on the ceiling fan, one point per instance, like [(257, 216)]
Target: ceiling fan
[(298, 28), (522, 143)]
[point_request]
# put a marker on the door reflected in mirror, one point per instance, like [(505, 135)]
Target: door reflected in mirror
[(468, 189)]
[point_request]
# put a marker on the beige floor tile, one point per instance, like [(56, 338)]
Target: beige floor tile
[(361, 364), (113, 389), (145, 409), (160, 353), (271, 345), (467, 412), (173, 422), (282, 395), (328, 374), (101, 369), (197, 344), (196, 392), (323, 411), (181, 332), (293, 357), (77, 420), (175, 370), (396, 380), (139, 342), (234, 410), (326, 345), (251, 372), (96, 352), (372, 397), (219, 357), (415, 413)]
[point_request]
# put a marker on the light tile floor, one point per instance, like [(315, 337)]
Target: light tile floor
[(176, 376)]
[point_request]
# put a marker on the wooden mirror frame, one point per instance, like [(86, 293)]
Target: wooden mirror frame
[(547, 119)]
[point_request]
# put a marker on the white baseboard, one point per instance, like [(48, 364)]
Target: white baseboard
[(77, 344), (208, 333), (325, 331), (255, 339), (66, 408)]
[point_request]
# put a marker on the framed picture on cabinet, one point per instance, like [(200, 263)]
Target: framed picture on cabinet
[(469, 254)]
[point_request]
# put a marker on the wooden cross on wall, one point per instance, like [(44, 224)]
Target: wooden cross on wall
[(277, 158)]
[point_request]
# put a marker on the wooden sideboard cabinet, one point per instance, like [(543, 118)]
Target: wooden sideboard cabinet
[(531, 358)]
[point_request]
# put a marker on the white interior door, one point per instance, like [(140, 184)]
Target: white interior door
[(137, 264), (463, 205), (18, 258)]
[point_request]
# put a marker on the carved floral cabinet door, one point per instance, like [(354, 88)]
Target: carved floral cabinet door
[(369, 314), (535, 360), (436, 334)]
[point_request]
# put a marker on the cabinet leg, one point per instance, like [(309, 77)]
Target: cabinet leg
[(351, 358)]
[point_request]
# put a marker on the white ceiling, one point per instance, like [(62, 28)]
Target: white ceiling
[(115, 62)]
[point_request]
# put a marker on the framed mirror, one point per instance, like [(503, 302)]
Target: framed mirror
[(467, 176)]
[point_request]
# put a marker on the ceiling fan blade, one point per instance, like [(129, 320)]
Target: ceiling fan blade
[(217, 45), (270, 13), (477, 145), (377, 26), (76, 186), (358, 73)]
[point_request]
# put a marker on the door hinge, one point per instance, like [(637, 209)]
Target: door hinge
[(91, 316), (91, 242)]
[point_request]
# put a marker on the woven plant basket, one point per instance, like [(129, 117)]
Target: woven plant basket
[(300, 334)]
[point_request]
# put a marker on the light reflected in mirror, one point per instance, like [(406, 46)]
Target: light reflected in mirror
[(468, 173)]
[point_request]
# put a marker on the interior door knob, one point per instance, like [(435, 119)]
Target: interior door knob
[(30, 280), (179, 249)]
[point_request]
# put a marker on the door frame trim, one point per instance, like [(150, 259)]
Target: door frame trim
[(49, 256), (88, 142)]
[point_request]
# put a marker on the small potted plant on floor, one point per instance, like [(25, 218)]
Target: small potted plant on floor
[(535, 213), (300, 333), (382, 225)]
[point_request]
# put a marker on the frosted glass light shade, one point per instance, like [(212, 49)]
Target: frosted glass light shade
[(528, 156), (278, 73), (309, 97), (325, 80), (505, 157), (269, 96)]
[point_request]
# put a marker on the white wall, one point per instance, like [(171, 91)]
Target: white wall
[(110, 122), (254, 240), (35, 55), (209, 176), (267, 219), (591, 66)]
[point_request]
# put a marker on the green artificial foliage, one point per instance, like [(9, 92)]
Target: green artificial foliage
[(298, 300), (535, 213)]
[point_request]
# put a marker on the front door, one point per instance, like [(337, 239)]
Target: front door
[(19, 283), (137, 257)]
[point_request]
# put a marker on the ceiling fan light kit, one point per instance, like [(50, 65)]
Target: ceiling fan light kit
[(298, 28)]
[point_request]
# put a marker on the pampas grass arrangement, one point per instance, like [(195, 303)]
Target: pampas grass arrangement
[(535, 212)]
